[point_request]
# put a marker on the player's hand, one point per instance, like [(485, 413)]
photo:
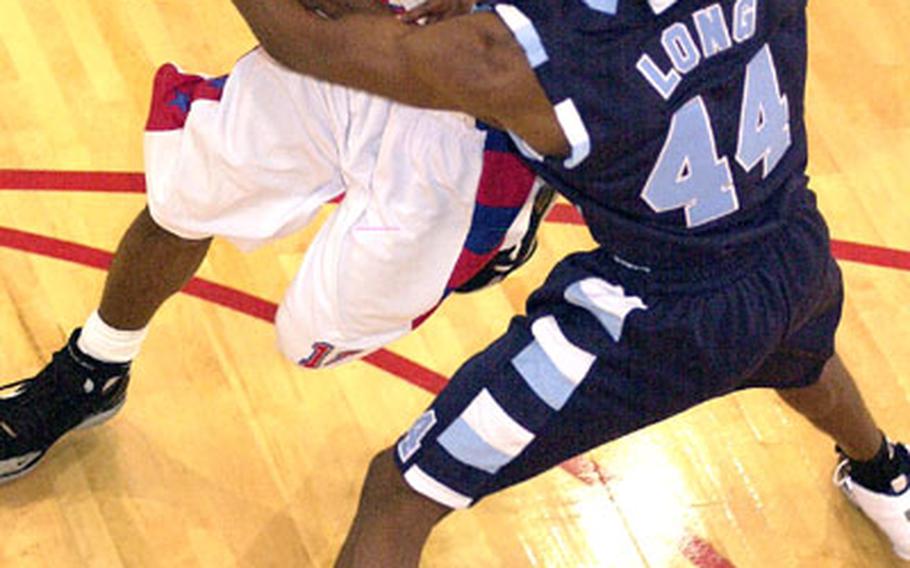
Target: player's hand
[(433, 11)]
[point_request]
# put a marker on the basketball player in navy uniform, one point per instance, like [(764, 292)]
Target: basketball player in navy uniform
[(676, 127)]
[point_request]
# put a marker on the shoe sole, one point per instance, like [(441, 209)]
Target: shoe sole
[(30, 461), (902, 554)]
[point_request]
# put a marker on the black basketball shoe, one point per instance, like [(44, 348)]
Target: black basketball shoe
[(73, 391), (510, 259)]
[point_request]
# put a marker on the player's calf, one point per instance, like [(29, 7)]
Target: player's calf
[(873, 473), (392, 522)]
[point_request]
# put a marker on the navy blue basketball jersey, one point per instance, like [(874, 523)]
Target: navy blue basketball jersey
[(685, 117)]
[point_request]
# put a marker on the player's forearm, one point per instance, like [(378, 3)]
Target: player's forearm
[(363, 51), (470, 64)]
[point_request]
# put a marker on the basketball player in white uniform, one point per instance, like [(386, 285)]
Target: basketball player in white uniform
[(432, 202)]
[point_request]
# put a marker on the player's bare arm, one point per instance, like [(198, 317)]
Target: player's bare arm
[(488, 77)]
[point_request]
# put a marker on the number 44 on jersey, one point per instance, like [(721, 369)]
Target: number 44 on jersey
[(689, 174)]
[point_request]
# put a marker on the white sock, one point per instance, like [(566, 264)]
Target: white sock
[(103, 342)]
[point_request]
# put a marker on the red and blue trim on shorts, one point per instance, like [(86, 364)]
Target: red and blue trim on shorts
[(504, 187), (174, 92)]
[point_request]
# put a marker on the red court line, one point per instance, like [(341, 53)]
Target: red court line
[(62, 180), (843, 250), (45, 180), (408, 370), (702, 554), (694, 548), (234, 299), (134, 182), (873, 255)]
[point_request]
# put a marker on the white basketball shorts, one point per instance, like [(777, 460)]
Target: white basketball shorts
[(429, 196)]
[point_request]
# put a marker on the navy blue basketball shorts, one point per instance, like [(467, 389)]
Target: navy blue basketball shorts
[(608, 348)]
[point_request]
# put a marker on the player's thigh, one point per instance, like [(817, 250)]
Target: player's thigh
[(801, 356), (385, 257), (250, 156), (598, 356)]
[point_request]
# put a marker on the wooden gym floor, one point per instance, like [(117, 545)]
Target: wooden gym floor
[(228, 456)]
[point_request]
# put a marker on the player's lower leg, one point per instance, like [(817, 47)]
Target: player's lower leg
[(835, 406), (392, 522), (150, 266), (873, 473), (85, 383)]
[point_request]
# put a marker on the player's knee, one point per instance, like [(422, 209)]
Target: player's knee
[(386, 490), (314, 337), (815, 401), (384, 483), (293, 335), (154, 227), (382, 474), (313, 344)]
